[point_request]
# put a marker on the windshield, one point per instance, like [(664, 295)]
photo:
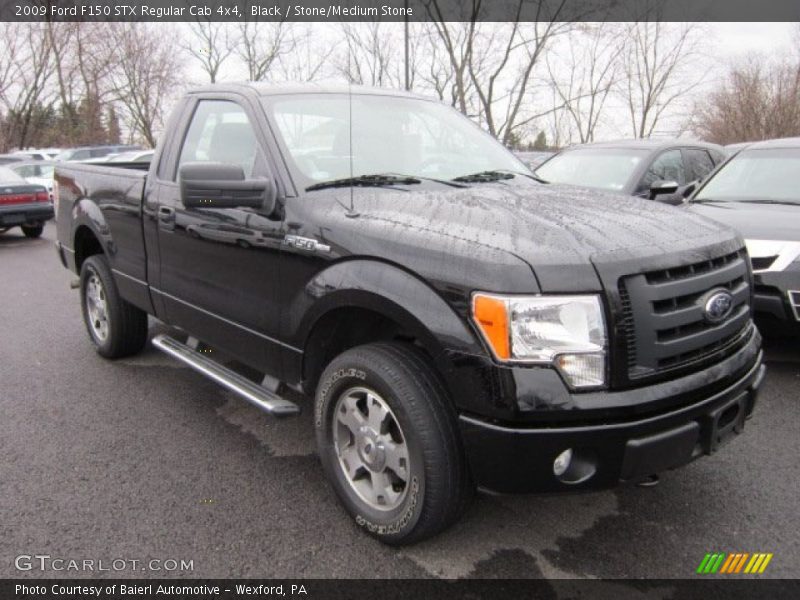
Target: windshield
[(8, 176), (601, 168), (389, 135), (768, 174)]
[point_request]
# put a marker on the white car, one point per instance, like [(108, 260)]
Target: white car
[(38, 172), (142, 156)]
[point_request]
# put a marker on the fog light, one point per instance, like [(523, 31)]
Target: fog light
[(562, 461)]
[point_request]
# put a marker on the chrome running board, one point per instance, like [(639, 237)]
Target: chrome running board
[(248, 390)]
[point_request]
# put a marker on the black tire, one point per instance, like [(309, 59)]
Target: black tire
[(33, 231), (438, 483), (126, 325)]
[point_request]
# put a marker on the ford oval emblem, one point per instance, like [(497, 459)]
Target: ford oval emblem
[(718, 305)]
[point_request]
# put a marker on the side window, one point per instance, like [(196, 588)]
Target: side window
[(220, 132), (667, 167), (700, 163)]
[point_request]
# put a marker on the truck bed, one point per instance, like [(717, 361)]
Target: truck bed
[(116, 190)]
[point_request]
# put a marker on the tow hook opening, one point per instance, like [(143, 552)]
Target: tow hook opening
[(648, 481)]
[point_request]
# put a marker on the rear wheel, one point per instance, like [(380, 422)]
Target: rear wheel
[(33, 231), (116, 328), (387, 439)]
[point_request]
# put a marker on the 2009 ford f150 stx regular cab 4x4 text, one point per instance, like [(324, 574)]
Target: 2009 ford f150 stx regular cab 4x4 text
[(458, 323)]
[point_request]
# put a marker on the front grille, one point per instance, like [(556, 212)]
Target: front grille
[(665, 325)]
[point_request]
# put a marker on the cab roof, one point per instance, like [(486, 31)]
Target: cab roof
[(261, 88)]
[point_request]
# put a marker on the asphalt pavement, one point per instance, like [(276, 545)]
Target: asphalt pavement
[(143, 459)]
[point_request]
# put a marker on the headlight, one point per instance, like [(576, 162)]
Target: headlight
[(567, 332)]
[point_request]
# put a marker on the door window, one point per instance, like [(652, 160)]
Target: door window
[(700, 163), (667, 167), (220, 132)]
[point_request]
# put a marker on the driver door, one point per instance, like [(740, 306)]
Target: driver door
[(217, 280)]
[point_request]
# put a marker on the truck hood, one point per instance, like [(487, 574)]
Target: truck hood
[(754, 221), (565, 234)]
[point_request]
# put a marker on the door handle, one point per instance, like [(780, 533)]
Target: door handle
[(166, 218)]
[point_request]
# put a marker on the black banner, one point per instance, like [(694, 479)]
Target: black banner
[(399, 10), (417, 589)]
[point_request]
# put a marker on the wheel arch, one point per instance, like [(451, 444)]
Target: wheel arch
[(363, 301), (85, 243), (91, 233)]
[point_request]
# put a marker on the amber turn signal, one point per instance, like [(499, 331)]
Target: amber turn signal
[(491, 316)]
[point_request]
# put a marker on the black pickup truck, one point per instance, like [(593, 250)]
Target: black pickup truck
[(458, 324)]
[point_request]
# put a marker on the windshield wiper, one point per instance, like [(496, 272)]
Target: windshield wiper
[(784, 202), (434, 179), (485, 177), (718, 201), (707, 201), (377, 180)]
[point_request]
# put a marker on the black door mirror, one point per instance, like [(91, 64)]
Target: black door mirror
[(223, 185), (661, 187)]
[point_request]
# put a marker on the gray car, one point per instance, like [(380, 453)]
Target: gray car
[(664, 170)]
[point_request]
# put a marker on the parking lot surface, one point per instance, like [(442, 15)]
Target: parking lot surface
[(143, 458)]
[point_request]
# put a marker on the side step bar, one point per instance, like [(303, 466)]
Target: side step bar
[(250, 391)]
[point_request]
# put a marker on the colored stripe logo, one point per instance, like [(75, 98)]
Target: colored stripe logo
[(736, 562)]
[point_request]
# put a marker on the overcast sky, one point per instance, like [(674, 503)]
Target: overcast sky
[(737, 39)]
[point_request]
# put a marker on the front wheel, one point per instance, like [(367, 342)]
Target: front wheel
[(387, 439), (33, 231), (115, 327)]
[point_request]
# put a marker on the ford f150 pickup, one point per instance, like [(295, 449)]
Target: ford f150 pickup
[(458, 324)]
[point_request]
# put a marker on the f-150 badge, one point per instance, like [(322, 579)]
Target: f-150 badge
[(303, 243)]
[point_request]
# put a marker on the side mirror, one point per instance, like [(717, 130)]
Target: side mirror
[(223, 185), (661, 187)]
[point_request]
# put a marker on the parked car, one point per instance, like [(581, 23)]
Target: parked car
[(50, 153), (535, 158), (458, 323), (138, 156), (92, 152), (39, 172), (31, 155), (10, 158), (756, 192), (664, 170), (23, 204)]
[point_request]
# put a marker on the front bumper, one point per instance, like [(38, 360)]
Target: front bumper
[(520, 460), (24, 214), (773, 299)]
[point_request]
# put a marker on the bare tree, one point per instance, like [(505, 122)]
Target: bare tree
[(584, 79), (210, 44), (310, 55), (83, 61), (370, 56), (435, 72), (24, 83), (260, 44), (493, 64), (657, 70), (147, 71), (758, 100)]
